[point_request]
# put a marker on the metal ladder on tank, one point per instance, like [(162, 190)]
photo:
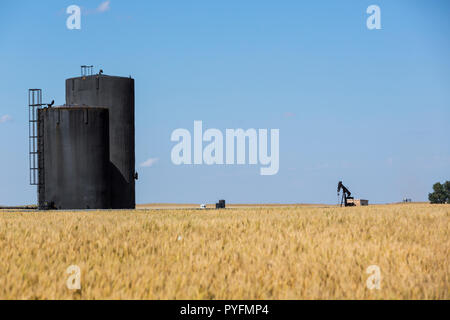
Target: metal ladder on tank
[(34, 103)]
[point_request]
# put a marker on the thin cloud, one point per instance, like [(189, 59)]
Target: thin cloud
[(104, 6), (389, 161), (318, 167), (5, 118), (289, 114), (149, 162)]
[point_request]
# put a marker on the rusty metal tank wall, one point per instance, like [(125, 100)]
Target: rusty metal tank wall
[(73, 151), (117, 94)]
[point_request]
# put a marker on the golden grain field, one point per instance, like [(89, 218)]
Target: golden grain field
[(245, 253)]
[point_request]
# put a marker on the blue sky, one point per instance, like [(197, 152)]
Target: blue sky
[(369, 107)]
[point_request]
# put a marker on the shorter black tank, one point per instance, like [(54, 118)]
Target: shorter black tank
[(73, 153)]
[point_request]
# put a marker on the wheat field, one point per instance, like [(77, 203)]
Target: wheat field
[(244, 253)]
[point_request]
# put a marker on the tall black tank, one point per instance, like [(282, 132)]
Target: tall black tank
[(73, 147), (117, 94)]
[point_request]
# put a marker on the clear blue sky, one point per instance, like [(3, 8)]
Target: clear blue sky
[(369, 107)]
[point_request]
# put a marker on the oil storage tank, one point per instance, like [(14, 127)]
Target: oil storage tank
[(116, 94), (73, 147)]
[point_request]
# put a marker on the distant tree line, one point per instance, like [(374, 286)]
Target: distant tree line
[(441, 193)]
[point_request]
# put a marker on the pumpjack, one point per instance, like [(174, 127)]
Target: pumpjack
[(346, 195)]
